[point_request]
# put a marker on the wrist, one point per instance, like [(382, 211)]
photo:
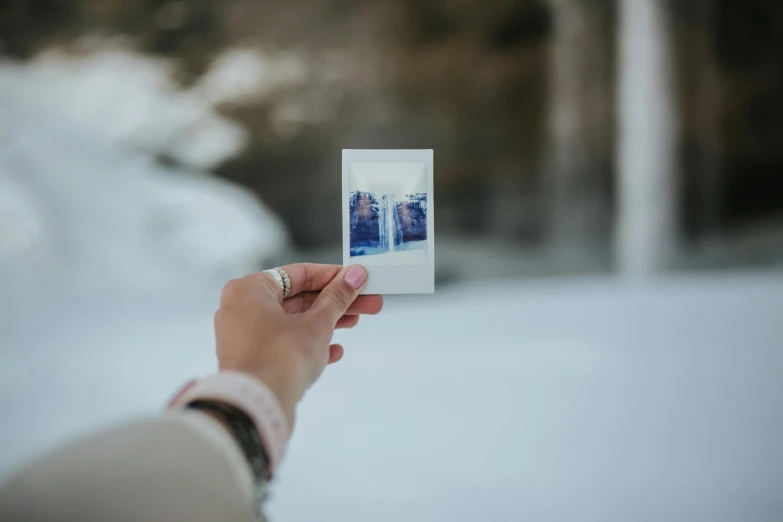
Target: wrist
[(250, 396), (286, 386), (287, 381)]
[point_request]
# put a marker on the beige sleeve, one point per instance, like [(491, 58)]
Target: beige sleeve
[(177, 466)]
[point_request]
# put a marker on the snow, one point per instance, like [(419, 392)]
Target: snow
[(560, 400), (578, 399), (78, 208), (132, 100), (415, 253), (247, 73)]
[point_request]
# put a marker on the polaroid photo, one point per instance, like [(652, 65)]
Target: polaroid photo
[(388, 219)]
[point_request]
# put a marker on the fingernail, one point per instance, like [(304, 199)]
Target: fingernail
[(355, 276)]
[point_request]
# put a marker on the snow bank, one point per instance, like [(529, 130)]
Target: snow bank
[(81, 198), (77, 208), (128, 98), (559, 400)]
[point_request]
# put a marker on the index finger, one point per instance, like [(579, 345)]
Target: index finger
[(310, 277)]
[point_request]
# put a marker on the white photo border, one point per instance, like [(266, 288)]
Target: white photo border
[(413, 279)]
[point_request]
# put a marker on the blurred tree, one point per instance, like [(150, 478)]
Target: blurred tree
[(581, 170), (730, 79), (647, 217)]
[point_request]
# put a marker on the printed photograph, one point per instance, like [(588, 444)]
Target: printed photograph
[(388, 213)]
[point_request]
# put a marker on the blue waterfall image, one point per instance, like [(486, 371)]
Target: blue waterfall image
[(381, 224)]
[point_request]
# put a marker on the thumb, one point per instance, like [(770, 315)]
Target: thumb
[(338, 295)]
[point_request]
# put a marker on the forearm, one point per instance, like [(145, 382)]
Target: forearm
[(176, 466)]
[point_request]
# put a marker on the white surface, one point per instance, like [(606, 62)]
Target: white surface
[(572, 400), (551, 401), (407, 279)]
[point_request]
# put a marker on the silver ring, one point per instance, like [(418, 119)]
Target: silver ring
[(281, 276)]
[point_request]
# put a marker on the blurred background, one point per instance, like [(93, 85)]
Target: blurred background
[(605, 342)]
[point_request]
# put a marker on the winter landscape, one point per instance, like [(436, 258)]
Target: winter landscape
[(592, 398), (584, 358), (387, 213)]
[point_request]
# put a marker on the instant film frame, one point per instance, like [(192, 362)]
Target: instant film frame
[(389, 219)]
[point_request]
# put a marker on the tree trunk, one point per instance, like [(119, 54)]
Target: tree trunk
[(581, 125), (647, 210)]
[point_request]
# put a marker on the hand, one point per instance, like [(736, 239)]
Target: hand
[(286, 342)]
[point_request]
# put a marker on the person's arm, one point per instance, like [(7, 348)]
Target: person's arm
[(193, 463), (177, 466)]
